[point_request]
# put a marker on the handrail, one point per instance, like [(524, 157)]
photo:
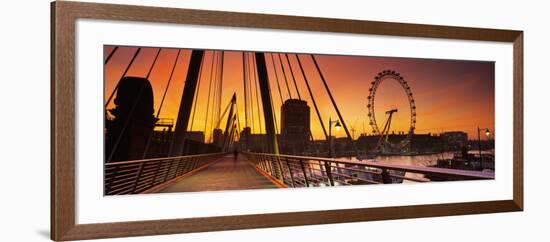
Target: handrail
[(161, 159), (330, 171), (415, 169), (138, 176)]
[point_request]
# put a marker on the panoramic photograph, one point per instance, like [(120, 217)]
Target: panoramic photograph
[(198, 120)]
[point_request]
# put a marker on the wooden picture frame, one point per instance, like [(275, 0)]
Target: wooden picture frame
[(63, 17)]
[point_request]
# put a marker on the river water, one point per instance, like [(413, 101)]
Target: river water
[(416, 160)]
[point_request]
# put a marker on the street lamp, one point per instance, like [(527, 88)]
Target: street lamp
[(337, 126), (487, 133)]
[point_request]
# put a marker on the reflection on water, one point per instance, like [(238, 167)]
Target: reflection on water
[(417, 160)]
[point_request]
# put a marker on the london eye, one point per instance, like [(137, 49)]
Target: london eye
[(384, 144)]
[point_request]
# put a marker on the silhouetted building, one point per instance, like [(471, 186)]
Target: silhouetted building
[(160, 143), (342, 146), (193, 144), (132, 121), (161, 140), (420, 143), (258, 143), (485, 144), (454, 140), (367, 142), (295, 126), (426, 143), (195, 136)]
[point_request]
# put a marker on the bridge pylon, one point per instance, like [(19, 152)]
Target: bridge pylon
[(263, 81)]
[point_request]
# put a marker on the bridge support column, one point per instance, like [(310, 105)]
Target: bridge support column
[(263, 81), (186, 104)]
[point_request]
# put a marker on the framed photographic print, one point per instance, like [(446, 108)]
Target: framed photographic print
[(172, 120)]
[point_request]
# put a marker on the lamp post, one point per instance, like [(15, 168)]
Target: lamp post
[(337, 126), (487, 133)]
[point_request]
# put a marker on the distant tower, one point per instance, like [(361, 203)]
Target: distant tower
[(127, 133), (295, 126)]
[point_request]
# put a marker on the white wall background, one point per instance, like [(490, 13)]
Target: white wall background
[(24, 120)]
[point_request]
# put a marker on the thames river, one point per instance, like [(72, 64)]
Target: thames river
[(416, 160)]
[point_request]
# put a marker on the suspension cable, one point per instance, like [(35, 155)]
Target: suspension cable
[(251, 108), (209, 94), (221, 84), (161, 104), (123, 75), (132, 110), (292, 74), (153, 64), (280, 95), (238, 118), (223, 114), (213, 111), (276, 77), (246, 87), (169, 81), (334, 104), (274, 115), (245, 96), (213, 107), (111, 55), (284, 75), (312, 98)]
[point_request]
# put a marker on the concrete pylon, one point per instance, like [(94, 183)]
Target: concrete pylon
[(272, 145)]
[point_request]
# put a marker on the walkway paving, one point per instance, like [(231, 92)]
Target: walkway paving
[(225, 174)]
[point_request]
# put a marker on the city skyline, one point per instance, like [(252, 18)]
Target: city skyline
[(451, 95)]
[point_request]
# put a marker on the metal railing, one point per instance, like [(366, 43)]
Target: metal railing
[(137, 176), (302, 171)]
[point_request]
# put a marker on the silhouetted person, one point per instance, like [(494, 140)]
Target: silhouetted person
[(127, 133)]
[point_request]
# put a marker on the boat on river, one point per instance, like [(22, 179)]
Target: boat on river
[(464, 160)]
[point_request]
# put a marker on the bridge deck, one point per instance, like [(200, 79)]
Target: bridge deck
[(226, 173)]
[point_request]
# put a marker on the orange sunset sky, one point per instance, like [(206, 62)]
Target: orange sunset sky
[(450, 95)]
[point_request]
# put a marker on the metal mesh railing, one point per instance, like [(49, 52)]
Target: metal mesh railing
[(132, 177), (302, 171)]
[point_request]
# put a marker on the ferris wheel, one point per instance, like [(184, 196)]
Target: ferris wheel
[(384, 144)]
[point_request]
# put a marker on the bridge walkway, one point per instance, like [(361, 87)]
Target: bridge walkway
[(226, 173)]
